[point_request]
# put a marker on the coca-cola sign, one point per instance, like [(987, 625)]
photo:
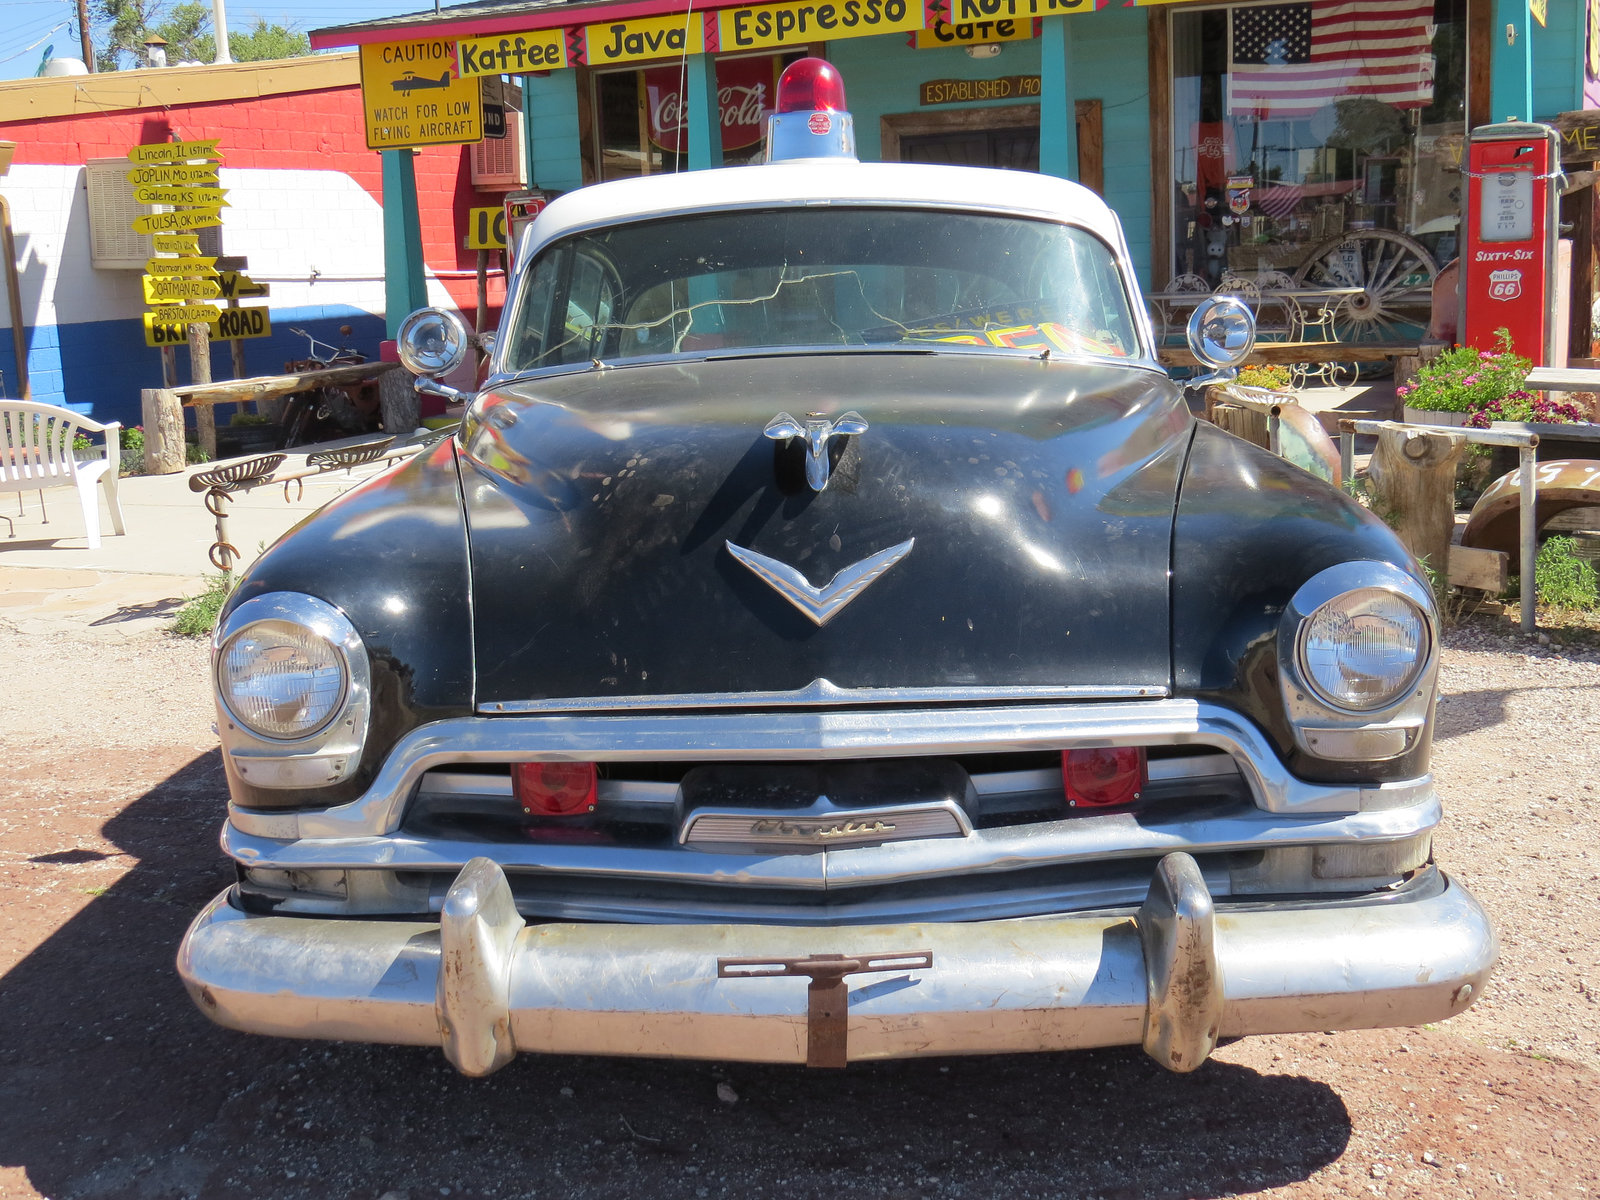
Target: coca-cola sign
[(744, 90)]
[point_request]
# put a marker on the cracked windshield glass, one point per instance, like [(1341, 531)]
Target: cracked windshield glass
[(739, 282)]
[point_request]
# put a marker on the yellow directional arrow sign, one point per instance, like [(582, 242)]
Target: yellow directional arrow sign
[(171, 287), (183, 314), (236, 286), (168, 222), (174, 152), (209, 196), (172, 175), (177, 243), (180, 266)]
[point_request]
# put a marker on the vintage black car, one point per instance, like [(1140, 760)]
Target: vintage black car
[(830, 636)]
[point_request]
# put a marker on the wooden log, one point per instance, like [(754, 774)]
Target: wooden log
[(1413, 482), (1486, 570), (398, 402), (1247, 423), (205, 419), (162, 416)]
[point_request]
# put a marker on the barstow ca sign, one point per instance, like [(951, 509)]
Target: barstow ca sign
[(424, 92)]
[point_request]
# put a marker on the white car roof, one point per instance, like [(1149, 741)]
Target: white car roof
[(824, 181)]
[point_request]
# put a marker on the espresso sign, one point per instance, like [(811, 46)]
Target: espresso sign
[(967, 91)]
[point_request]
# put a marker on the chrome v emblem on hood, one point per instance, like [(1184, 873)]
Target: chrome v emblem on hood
[(821, 604)]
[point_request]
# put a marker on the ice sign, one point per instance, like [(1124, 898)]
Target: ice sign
[(1507, 210)]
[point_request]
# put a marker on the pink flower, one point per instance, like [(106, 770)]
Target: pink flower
[(1485, 356)]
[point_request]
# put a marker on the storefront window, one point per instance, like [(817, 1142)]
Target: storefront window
[(643, 129), (1318, 140)]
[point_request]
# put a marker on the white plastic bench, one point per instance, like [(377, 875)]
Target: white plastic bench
[(36, 453)]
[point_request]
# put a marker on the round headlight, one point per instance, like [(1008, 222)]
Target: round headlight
[(280, 679), (1362, 650), (432, 342)]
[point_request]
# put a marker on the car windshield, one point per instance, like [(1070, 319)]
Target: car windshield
[(820, 277)]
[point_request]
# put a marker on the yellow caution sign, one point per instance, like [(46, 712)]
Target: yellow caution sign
[(172, 175), (168, 222), (205, 196), (486, 228), (177, 243), (175, 152), (180, 266), (185, 313), (411, 96), (159, 288)]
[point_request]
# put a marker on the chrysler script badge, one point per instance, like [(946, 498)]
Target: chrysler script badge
[(821, 604), (817, 431)]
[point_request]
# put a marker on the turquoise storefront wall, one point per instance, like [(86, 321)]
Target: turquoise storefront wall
[(1558, 60), (882, 76), (1109, 63)]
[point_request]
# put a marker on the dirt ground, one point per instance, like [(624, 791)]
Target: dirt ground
[(113, 1085)]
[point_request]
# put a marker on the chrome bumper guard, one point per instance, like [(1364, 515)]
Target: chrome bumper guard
[(1175, 977)]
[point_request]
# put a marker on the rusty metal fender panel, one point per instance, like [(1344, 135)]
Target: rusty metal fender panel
[(1493, 525)]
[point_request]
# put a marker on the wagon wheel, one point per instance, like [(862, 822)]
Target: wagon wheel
[(1396, 276)]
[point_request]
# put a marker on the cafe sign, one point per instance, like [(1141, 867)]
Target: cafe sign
[(973, 33)]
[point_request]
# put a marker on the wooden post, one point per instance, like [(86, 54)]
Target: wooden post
[(205, 417), (162, 415), (1413, 479), (397, 400)]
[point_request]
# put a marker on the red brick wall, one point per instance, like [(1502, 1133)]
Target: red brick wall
[(319, 130)]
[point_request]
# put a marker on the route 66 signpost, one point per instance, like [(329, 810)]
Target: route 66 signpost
[(180, 283)]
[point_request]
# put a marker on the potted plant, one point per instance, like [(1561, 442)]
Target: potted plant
[(1464, 380)]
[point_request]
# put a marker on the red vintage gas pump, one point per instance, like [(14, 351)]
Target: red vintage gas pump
[(1509, 278)]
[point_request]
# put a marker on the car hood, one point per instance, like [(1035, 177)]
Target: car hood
[(635, 538)]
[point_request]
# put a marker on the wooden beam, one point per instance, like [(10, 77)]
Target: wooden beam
[(1486, 570), (1157, 36), (1480, 50), (1298, 352), (265, 387)]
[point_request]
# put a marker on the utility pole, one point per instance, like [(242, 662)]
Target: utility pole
[(83, 34), (219, 18)]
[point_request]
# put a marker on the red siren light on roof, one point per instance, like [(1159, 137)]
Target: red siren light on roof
[(811, 85), (810, 120)]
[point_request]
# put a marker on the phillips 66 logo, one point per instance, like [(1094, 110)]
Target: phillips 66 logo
[(1505, 285)]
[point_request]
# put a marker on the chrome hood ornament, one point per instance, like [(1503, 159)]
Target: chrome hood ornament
[(821, 604), (817, 431)]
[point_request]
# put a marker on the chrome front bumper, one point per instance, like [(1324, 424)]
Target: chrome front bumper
[(1174, 978)]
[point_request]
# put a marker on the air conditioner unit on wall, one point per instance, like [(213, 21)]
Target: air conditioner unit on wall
[(113, 245), (498, 164)]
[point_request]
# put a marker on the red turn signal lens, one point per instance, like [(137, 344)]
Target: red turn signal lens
[(1104, 777), (555, 789), (811, 85)]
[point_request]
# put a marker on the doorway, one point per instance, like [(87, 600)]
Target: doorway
[(1004, 136)]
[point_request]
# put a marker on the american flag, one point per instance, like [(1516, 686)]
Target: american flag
[(1290, 60)]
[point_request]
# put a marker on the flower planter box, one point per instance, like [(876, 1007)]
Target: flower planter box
[(1429, 416)]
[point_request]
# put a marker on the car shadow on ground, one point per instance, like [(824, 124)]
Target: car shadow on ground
[(114, 1085)]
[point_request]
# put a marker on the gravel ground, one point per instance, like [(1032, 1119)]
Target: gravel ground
[(112, 1085)]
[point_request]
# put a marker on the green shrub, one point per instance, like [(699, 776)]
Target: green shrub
[(198, 616), (249, 418), (1562, 581), (1268, 375)]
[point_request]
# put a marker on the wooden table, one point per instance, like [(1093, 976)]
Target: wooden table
[(203, 396)]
